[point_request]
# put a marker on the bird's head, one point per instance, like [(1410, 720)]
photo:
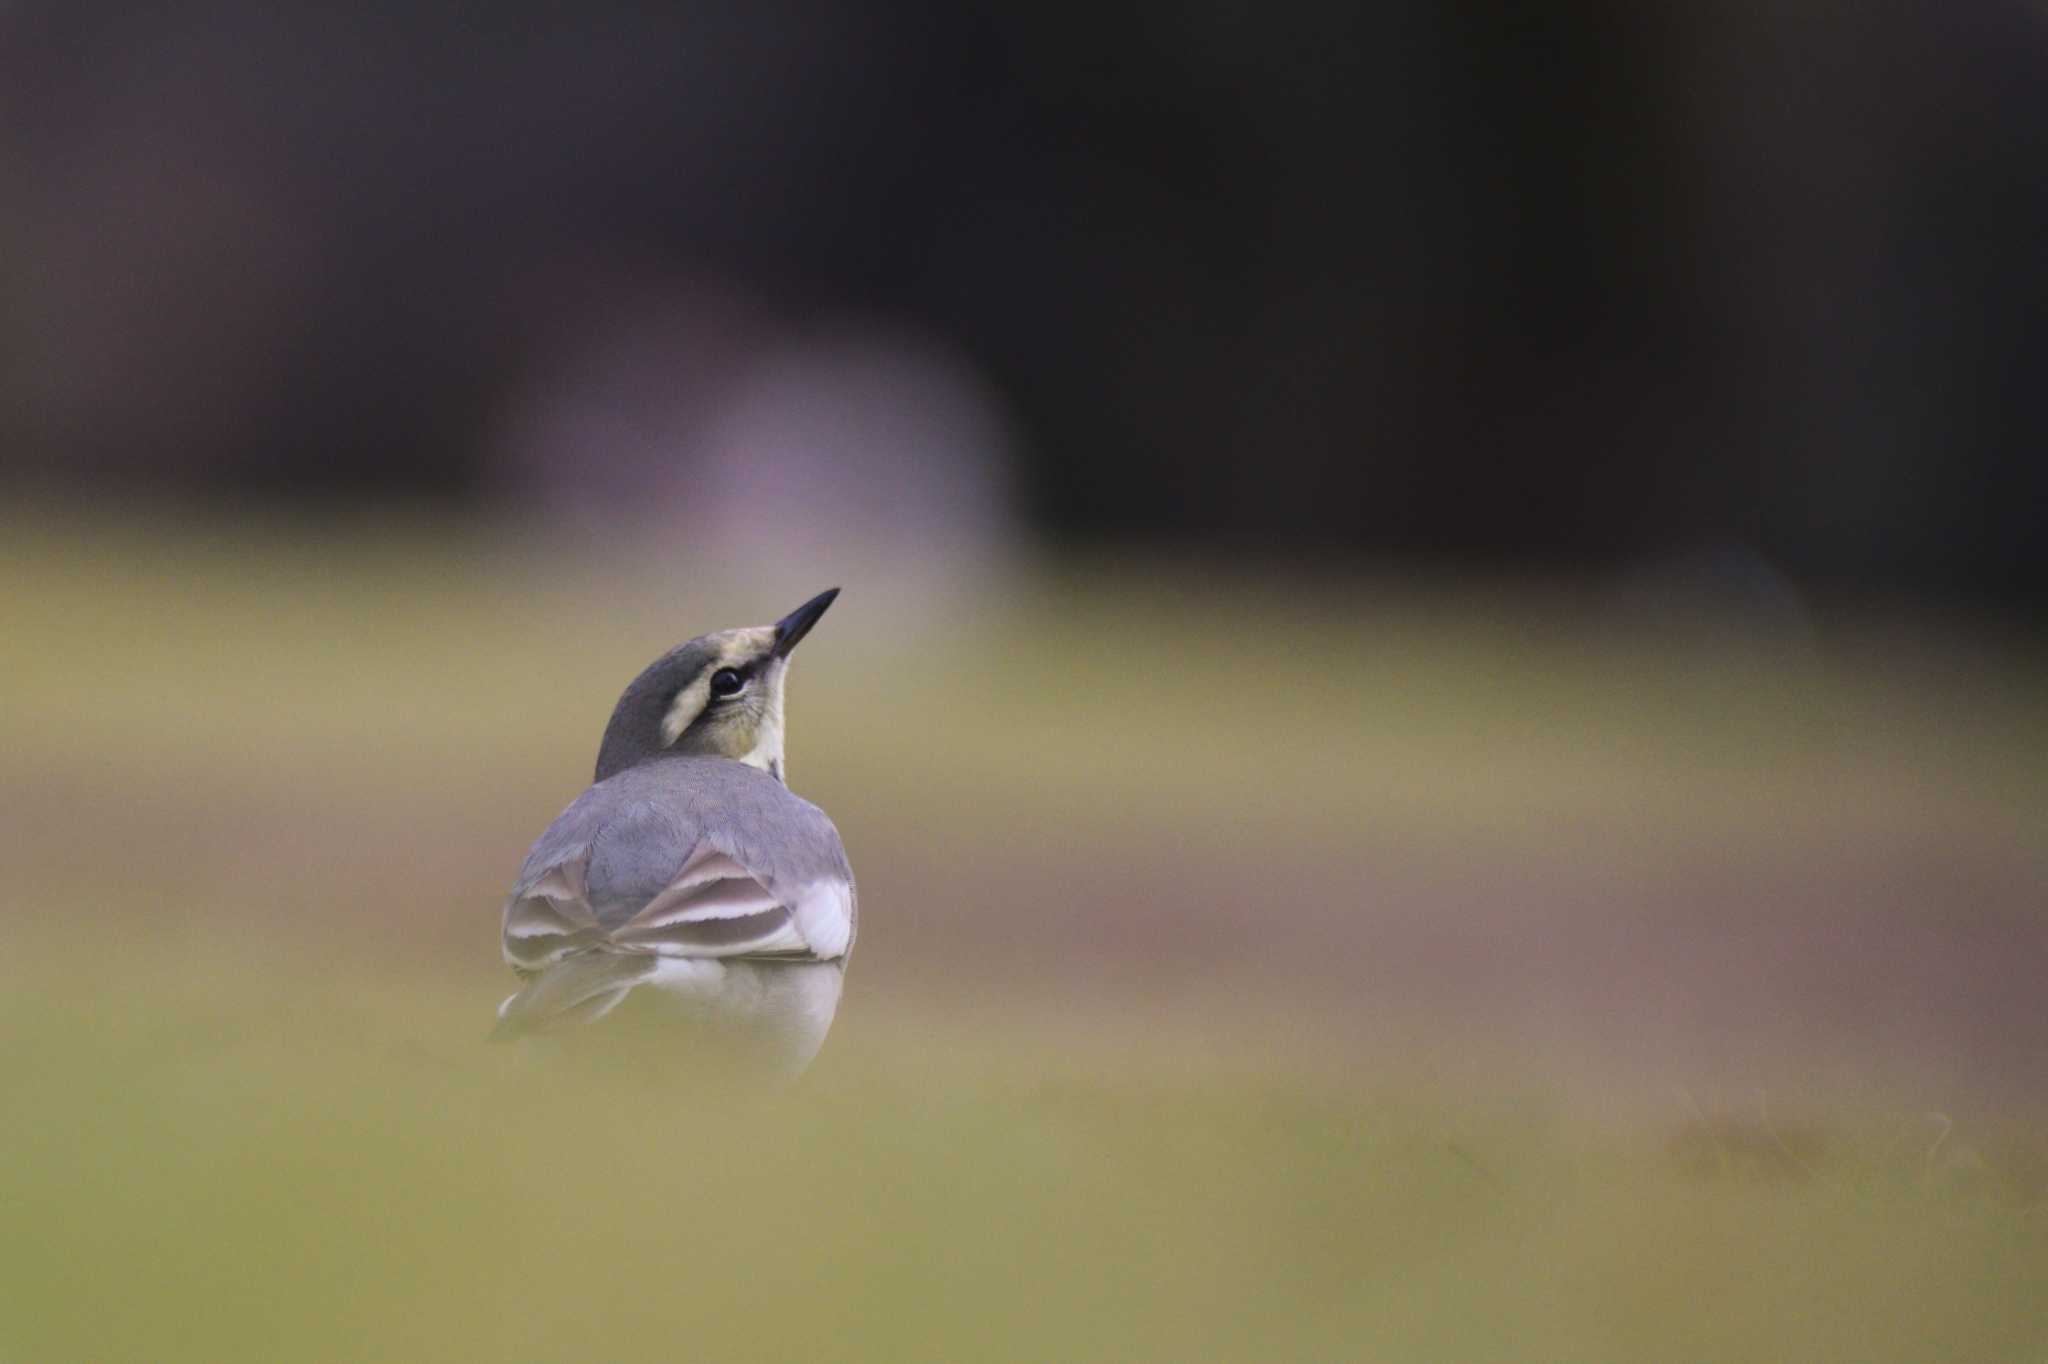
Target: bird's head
[(718, 696)]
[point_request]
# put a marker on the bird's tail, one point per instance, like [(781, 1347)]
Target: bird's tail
[(577, 989)]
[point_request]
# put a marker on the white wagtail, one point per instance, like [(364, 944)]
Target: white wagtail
[(688, 867)]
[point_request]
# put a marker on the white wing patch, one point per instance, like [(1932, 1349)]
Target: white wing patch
[(824, 916)]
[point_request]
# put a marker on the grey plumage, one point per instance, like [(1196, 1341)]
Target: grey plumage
[(634, 733), (632, 834), (693, 875)]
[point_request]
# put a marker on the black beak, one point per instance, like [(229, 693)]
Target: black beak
[(794, 626)]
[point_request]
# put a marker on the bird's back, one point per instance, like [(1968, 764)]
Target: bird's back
[(708, 865), (640, 824)]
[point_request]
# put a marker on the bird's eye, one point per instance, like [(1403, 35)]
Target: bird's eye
[(726, 682)]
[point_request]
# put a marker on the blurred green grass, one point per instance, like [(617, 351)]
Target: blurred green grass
[(264, 783), (207, 1159), (210, 1159)]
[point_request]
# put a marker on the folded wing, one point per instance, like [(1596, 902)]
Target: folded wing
[(715, 905)]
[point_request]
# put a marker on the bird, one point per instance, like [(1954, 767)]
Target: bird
[(688, 871)]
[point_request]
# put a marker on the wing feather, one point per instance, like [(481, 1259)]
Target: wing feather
[(687, 858)]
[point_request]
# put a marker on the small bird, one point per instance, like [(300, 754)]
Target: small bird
[(689, 868)]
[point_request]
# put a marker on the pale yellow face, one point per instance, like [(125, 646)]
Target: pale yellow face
[(732, 707)]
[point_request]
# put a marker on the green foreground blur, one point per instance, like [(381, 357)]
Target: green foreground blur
[(1125, 1070)]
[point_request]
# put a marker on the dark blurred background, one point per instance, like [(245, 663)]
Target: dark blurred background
[(1419, 285)]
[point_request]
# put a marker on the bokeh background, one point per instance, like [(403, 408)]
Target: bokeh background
[(1439, 704)]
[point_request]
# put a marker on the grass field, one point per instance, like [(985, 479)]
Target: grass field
[(1250, 970)]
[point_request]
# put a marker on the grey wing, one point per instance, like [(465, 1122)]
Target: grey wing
[(749, 871)]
